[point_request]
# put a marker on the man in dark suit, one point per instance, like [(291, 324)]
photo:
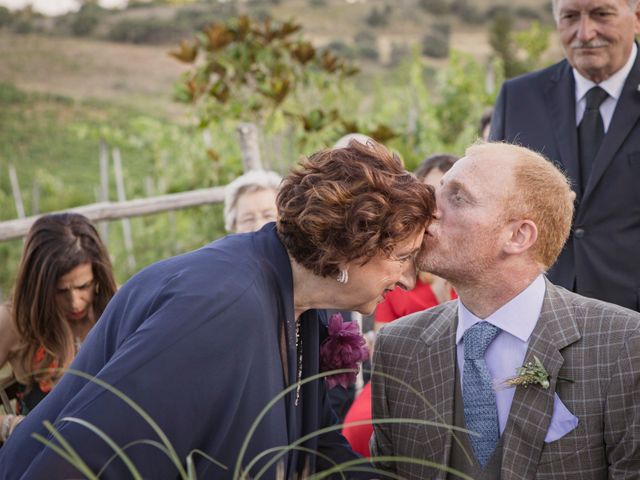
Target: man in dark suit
[(503, 215), (583, 114)]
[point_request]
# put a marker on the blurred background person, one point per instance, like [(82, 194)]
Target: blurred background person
[(250, 201), (64, 283), (429, 291)]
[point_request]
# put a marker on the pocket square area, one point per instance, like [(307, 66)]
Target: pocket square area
[(562, 421)]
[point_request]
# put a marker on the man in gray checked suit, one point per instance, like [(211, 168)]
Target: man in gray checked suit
[(503, 215)]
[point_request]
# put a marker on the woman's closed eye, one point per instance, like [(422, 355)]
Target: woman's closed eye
[(457, 197)]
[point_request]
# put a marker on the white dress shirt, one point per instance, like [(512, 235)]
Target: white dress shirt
[(516, 319), (612, 85)]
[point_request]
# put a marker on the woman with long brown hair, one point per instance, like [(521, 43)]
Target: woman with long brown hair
[(64, 283)]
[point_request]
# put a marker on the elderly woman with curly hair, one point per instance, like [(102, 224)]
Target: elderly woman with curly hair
[(213, 340)]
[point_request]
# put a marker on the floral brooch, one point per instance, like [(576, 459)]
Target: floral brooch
[(531, 373), (344, 348)]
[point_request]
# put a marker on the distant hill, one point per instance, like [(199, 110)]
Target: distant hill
[(121, 56)]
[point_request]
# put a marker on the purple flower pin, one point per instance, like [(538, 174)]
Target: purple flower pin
[(343, 348)]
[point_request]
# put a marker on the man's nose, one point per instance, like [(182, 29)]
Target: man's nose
[(586, 29)]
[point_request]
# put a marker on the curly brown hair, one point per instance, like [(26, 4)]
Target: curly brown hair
[(348, 204)]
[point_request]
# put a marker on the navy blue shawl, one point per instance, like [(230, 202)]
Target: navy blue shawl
[(194, 340)]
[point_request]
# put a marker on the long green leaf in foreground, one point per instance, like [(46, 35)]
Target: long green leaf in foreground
[(237, 470), (152, 443), (66, 451), (303, 439), (109, 441), (173, 456), (389, 458)]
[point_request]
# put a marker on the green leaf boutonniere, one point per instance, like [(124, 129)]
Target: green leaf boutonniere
[(531, 373)]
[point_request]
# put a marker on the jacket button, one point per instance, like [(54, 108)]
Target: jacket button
[(579, 233)]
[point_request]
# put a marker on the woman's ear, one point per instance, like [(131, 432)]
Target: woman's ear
[(524, 234)]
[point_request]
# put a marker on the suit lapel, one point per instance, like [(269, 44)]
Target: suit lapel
[(624, 118), (435, 363), (532, 407), (560, 99)]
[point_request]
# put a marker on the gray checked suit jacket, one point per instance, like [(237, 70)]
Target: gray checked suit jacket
[(594, 343)]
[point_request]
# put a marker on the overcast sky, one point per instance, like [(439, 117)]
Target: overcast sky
[(56, 7)]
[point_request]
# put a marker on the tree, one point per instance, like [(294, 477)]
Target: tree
[(267, 73), (519, 52), (436, 7)]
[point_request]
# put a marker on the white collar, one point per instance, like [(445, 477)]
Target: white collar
[(518, 316), (612, 85)]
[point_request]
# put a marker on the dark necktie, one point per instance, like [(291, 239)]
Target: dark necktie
[(478, 396), (590, 132)]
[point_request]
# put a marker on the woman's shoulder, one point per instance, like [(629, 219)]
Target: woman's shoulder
[(9, 336), (8, 329)]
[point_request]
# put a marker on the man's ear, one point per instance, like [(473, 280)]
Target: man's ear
[(524, 234)]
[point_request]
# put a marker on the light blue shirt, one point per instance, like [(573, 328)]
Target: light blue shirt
[(516, 319), (612, 85)]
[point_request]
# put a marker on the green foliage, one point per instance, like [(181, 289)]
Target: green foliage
[(23, 21), (5, 16), (399, 52), (435, 43), (435, 7), (365, 45), (190, 19), (379, 17), (10, 94), (528, 13), (468, 12), (519, 52), (341, 49), (86, 20), (146, 31), (533, 42), (462, 99), (260, 71), (59, 153)]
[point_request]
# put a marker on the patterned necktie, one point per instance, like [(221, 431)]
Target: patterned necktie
[(480, 410), (590, 132)]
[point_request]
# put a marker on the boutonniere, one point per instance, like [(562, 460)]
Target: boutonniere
[(531, 373), (344, 348)]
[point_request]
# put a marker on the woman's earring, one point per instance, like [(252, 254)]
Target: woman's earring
[(343, 277)]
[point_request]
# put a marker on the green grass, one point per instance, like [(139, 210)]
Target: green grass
[(54, 141), (39, 137)]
